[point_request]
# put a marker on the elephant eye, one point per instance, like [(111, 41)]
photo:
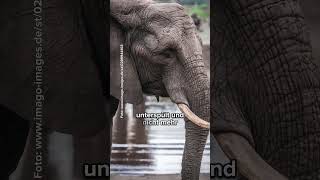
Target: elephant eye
[(168, 53)]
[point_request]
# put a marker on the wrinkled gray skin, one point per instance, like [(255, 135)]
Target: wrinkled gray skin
[(267, 82), (163, 57)]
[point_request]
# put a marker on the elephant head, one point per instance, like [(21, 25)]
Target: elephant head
[(163, 57)]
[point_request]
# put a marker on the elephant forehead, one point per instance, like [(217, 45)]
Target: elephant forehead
[(165, 11), (166, 7)]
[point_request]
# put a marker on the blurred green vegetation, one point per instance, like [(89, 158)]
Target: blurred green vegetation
[(202, 11), (199, 7), (194, 1)]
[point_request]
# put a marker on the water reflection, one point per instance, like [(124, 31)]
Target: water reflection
[(139, 149)]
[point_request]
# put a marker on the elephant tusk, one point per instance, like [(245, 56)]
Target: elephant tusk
[(192, 117)]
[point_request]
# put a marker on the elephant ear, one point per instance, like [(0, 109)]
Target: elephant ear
[(124, 11), (122, 67)]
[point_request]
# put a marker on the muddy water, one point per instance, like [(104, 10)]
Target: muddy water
[(139, 149)]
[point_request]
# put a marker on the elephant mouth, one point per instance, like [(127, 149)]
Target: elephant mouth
[(184, 108), (155, 88), (175, 84)]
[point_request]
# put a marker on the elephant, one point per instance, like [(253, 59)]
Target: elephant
[(156, 50), (265, 89), (66, 43)]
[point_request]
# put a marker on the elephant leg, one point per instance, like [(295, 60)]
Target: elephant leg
[(24, 169), (196, 138), (113, 106), (97, 148), (26, 166), (12, 140), (250, 163), (90, 150)]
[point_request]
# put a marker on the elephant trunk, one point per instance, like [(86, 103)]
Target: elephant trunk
[(188, 86), (199, 102)]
